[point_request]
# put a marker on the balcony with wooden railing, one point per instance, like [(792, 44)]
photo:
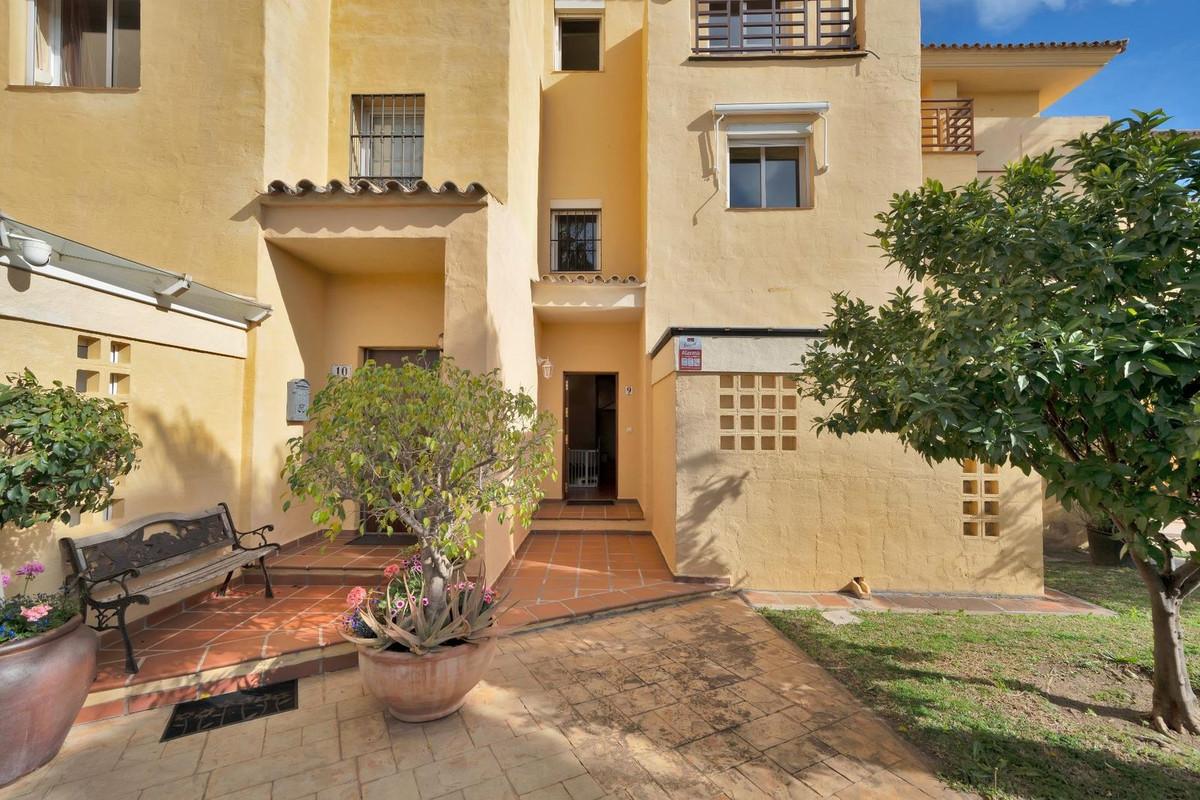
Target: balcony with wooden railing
[(948, 126), (773, 27)]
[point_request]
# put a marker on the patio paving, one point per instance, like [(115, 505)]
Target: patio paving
[(211, 644), (560, 575), (1052, 602), (697, 700), (561, 509)]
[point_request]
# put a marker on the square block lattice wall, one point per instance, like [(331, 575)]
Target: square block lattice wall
[(758, 412)]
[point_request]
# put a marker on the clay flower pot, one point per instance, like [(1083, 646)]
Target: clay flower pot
[(43, 683), (420, 688)]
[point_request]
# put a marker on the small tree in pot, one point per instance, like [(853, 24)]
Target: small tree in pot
[(430, 450), (60, 453)]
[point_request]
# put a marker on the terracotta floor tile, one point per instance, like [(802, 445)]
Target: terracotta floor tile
[(166, 665), (225, 655)]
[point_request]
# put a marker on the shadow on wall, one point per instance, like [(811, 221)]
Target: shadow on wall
[(19, 280), (698, 553), (183, 467)]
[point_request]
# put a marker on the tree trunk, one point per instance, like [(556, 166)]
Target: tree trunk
[(436, 570), (1174, 707)]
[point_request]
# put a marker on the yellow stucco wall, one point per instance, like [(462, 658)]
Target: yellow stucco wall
[(169, 174), (455, 52), (812, 518), (599, 347), (184, 404), (160, 174), (708, 265), (663, 509), (591, 139)]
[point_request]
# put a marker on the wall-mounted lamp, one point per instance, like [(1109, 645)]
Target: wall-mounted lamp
[(35, 252), (547, 367)]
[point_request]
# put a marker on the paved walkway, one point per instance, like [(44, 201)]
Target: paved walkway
[(1052, 602), (556, 576), (693, 701)]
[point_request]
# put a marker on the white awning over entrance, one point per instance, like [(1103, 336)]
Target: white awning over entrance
[(23, 246)]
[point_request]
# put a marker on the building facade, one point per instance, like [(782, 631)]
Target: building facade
[(636, 210)]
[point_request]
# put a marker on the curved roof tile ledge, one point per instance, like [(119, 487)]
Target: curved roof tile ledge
[(595, 280), (1099, 44), (367, 187)]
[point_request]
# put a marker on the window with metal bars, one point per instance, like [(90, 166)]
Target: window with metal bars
[(387, 136), (575, 240), (773, 26)]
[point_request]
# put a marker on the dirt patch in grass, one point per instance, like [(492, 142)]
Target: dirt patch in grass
[(1021, 706)]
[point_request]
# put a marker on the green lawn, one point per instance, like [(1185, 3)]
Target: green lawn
[(1020, 706)]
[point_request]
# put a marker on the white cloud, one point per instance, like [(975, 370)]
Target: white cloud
[(1005, 14)]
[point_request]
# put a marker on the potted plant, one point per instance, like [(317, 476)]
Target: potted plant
[(433, 451), (59, 454)]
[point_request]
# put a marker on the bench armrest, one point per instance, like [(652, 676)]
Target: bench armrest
[(260, 532), (86, 584)]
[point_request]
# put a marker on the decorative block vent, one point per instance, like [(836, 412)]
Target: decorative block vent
[(758, 412), (980, 499)]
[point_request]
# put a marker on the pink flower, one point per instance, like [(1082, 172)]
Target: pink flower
[(391, 571), (34, 613), (424, 601), (5, 580), (30, 569), (356, 596)]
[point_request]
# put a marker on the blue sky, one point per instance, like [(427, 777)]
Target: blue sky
[(1161, 68)]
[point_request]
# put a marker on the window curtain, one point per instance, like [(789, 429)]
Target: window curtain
[(84, 42)]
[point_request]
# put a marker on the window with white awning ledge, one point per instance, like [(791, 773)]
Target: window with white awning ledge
[(769, 162)]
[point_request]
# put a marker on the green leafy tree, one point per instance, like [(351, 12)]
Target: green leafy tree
[(1058, 329), (427, 449), (59, 451)]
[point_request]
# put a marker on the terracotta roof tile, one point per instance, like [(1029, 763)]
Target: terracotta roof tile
[(1100, 44), (609, 280), (363, 186)]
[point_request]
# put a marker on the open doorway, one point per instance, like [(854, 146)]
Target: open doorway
[(590, 437)]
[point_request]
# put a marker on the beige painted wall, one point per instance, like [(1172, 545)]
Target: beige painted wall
[(600, 347), (184, 404), (161, 174), (951, 169), (663, 510), (455, 52), (1003, 140), (591, 138), (707, 265), (812, 518)]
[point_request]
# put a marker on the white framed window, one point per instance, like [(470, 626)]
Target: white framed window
[(94, 43), (769, 166), (578, 36), (575, 238)]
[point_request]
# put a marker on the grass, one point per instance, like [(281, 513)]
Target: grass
[(1021, 706)]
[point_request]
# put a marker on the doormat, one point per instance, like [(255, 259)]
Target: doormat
[(196, 716), (591, 502), (383, 540)]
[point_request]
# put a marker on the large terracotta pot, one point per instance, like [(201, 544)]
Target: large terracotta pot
[(43, 683), (421, 688)]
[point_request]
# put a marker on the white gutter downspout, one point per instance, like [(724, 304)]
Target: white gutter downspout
[(716, 148)]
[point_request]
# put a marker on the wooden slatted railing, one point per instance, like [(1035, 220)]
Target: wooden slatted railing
[(948, 126)]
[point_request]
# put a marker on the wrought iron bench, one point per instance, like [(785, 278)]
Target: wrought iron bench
[(156, 555)]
